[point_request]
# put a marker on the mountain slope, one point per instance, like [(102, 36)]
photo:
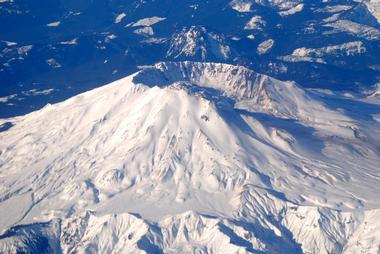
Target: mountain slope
[(193, 157), (44, 50)]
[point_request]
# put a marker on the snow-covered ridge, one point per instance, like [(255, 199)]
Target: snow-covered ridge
[(318, 55), (346, 49), (187, 157), (374, 7), (284, 7), (236, 81), (241, 6), (191, 232), (256, 22), (360, 30), (248, 88), (198, 43)]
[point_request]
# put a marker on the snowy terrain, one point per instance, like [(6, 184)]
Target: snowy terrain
[(72, 46), (226, 126), (189, 157)]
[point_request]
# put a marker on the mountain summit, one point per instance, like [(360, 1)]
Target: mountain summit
[(188, 157)]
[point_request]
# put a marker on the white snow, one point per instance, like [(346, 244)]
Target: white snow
[(10, 43), (251, 37), (198, 42), (291, 11), (54, 24), (374, 7), (360, 30), (53, 63), (294, 58), (24, 50), (145, 25), (154, 40), (265, 46), (110, 37), (144, 31), (33, 92), (5, 99), (256, 22), (284, 7), (193, 157), (70, 42), (335, 8), (120, 17), (281, 5), (345, 49), (241, 5), (316, 54), (147, 22)]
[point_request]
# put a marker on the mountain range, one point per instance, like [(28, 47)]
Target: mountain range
[(54, 49)]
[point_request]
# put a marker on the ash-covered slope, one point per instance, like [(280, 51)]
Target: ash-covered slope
[(193, 157)]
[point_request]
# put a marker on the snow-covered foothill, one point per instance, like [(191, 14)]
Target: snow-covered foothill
[(197, 42), (265, 46), (318, 55)]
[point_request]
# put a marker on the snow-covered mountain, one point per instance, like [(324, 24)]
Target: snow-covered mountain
[(52, 50), (187, 149), (190, 157), (199, 44)]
